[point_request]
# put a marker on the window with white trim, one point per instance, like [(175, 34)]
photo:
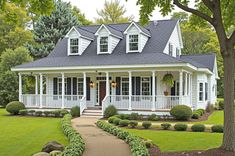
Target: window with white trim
[(133, 42), (74, 45), (170, 49), (104, 44), (60, 86), (206, 91), (201, 91), (125, 86), (80, 86), (145, 86)]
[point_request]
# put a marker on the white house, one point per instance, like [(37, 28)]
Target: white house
[(121, 65)]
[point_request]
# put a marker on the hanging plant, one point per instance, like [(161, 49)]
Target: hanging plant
[(168, 79)]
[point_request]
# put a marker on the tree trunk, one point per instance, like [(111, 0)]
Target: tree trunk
[(229, 106)]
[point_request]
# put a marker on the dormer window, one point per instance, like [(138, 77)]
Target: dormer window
[(133, 43), (74, 46), (104, 44)]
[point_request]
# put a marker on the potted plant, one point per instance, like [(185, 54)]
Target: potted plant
[(168, 80)]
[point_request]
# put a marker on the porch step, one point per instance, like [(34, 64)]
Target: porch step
[(92, 113)]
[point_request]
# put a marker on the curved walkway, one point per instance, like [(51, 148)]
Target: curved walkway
[(99, 142)]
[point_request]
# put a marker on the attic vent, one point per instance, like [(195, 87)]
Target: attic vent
[(155, 22)]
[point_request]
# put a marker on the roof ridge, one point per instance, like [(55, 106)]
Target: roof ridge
[(85, 29), (198, 54), (114, 28)]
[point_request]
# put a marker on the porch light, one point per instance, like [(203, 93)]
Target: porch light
[(114, 84), (92, 84)]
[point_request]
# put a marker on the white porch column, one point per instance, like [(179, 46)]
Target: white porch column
[(153, 90), (63, 90), (130, 89), (84, 84), (107, 84), (186, 84), (41, 90), (36, 85), (20, 88), (181, 87)]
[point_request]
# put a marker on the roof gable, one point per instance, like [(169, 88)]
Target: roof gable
[(140, 28), (110, 30)]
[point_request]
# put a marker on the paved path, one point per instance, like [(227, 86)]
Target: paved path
[(99, 142)]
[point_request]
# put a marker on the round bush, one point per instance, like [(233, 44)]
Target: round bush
[(166, 126), (31, 112), (23, 112), (116, 121), (46, 113), (195, 115), (75, 111), (146, 124), (110, 119), (221, 105), (38, 113), (199, 112), (110, 111), (153, 117), (202, 111), (181, 127), (217, 129), (14, 107), (181, 112), (56, 113), (134, 116), (133, 124), (124, 123), (198, 128), (63, 112)]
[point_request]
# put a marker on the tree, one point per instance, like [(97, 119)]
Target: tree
[(13, 23), (221, 15), (49, 30), (81, 17), (112, 12), (8, 79)]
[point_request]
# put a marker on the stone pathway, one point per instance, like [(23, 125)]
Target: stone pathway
[(99, 142)]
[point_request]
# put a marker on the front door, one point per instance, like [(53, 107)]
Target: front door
[(102, 91)]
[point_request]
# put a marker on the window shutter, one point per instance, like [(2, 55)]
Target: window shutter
[(151, 84), (133, 86), (88, 90), (137, 85), (69, 86), (74, 86), (55, 88), (118, 81)]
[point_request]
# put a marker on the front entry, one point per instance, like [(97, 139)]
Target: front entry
[(102, 91)]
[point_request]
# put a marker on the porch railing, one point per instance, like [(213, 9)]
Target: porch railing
[(105, 103), (31, 100), (119, 101), (141, 102), (166, 102), (72, 100), (82, 104)]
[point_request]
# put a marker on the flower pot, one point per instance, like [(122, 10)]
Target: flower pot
[(166, 93)]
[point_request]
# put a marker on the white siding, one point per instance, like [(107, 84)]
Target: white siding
[(73, 34), (194, 90), (133, 30), (143, 41), (114, 42), (202, 78), (84, 44)]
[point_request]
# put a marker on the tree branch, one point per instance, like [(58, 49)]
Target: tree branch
[(193, 11), (209, 4), (232, 39)]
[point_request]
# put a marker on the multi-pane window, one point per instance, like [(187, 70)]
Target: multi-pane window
[(133, 42), (201, 92), (125, 86), (145, 86), (206, 91), (60, 86), (80, 86), (103, 44), (74, 46), (170, 49)]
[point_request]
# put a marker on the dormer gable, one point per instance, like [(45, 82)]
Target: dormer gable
[(78, 41), (107, 39), (136, 38)]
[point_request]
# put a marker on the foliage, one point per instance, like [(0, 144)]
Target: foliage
[(217, 128), (133, 124), (166, 126), (146, 124), (47, 113), (124, 123), (75, 111), (198, 128), (134, 116), (221, 105), (112, 12), (110, 119), (181, 112), (76, 144), (63, 112), (116, 121), (31, 112), (168, 79), (110, 111), (56, 113), (38, 113), (153, 117), (209, 107), (136, 144), (48, 30), (81, 17), (14, 107), (55, 153), (180, 127), (23, 112), (195, 115)]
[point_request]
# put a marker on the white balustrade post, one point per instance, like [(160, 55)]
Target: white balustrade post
[(63, 90), (84, 84), (107, 84), (130, 90), (36, 90), (180, 87), (20, 88), (153, 90), (41, 90), (186, 84)]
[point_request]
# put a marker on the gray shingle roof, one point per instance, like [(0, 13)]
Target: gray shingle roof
[(85, 33), (114, 31)]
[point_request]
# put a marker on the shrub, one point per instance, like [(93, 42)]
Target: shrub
[(134, 116), (217, 129), (38, 113), (148, 143), (166, 126), (117, 116), (47, 113), (110, 111), (75, 111), (153, 117), (221, 105), (110, 119), (195, 115), (198, 128), (181, 127), (124, 123), (23, 112), (116, 121), (124, 116), (63, 112), (133, 124), (14, 107), (31, 112), (181, 112), (146, 124), (76, 144), (201, 110), (56, 113)]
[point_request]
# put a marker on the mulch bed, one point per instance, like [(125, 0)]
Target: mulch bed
[(154, 151)]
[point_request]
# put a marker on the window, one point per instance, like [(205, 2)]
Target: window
[(80, 86), (103, 44), (206, 91), (170, 49), (145, 86), (177, 52), (60, 86), (133, 42), (74, 46), (125, 86), (201, 92)]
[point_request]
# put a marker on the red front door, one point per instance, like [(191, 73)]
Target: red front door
[(102, 91)]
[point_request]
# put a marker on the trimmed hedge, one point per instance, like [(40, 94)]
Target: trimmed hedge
[(137, 145), (195, 115), (217, 129), (166, 126), (110, 111), (23, 112), (153, 117), (116, 121), (75, 111), (110, 119), (14, 107), (133, 124), (146, 124), (181, 112), (181, 127), (124, 123), (76, 144), (198, 128)]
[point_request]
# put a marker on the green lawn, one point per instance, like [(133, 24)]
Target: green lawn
[(172, 141), (216, 118), (23, 136)]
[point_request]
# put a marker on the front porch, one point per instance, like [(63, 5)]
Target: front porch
[(126, 90)]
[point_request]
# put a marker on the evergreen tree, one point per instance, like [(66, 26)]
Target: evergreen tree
[(48, 30)]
